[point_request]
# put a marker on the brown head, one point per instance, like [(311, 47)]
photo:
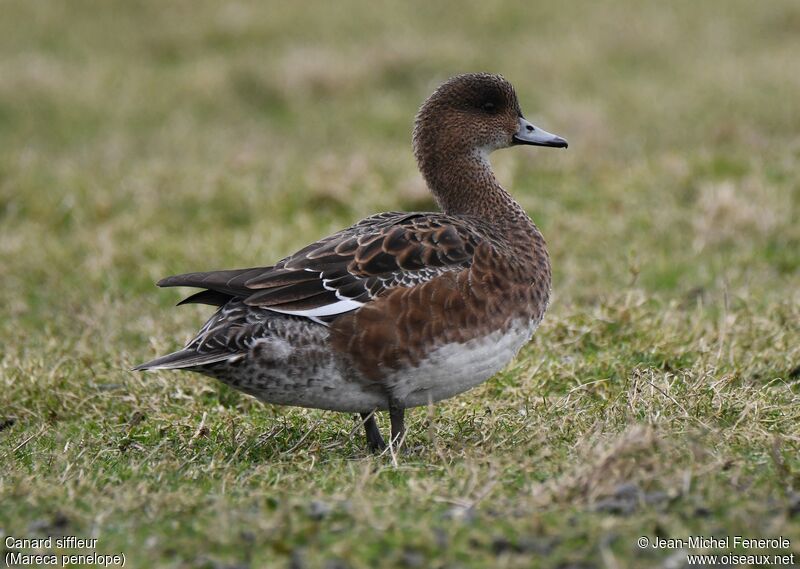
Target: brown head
[(464, 120)]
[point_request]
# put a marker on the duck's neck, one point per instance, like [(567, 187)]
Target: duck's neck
[(464, 184)]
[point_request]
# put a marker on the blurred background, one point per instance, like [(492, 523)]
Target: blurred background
[(143, 139)]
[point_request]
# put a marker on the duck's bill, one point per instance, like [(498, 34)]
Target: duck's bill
[(535, 136)]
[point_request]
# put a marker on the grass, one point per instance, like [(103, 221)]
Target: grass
[(659, 397)]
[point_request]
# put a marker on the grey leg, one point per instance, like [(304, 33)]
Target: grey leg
[(374, 439), (397, 415)]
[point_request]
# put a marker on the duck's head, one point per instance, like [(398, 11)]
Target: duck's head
[(475, 112)]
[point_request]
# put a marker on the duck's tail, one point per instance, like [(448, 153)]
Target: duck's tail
[(182, 359)]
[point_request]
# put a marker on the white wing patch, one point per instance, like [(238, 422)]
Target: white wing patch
[(339, 307)]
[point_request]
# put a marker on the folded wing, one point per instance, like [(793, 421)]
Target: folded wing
[(342, 272)]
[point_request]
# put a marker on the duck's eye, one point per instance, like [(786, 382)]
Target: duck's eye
[(489, 107)]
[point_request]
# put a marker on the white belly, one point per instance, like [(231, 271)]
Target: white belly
[(455, 368), (284, 374)]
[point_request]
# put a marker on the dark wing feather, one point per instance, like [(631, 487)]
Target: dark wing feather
[(225, 282), (211, 297), (342, 272)]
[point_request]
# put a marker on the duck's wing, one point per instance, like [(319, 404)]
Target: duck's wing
[(345, 271)]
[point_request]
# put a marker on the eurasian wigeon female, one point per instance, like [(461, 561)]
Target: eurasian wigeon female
[(401, 309)]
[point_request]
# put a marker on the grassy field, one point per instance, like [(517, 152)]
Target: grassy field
[(660, 397)]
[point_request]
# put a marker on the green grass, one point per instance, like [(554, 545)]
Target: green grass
[(660, 396)]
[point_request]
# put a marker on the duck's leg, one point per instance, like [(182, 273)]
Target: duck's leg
[(374, 439), (397, 413)]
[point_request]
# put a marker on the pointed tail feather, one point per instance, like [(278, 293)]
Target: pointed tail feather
[(184, 359)]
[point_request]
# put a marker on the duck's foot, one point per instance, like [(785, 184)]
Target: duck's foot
[(375, 441)]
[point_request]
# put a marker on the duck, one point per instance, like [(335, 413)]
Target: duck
[(402, 309)]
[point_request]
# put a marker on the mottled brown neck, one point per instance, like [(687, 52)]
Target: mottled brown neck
[(463, 183)]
